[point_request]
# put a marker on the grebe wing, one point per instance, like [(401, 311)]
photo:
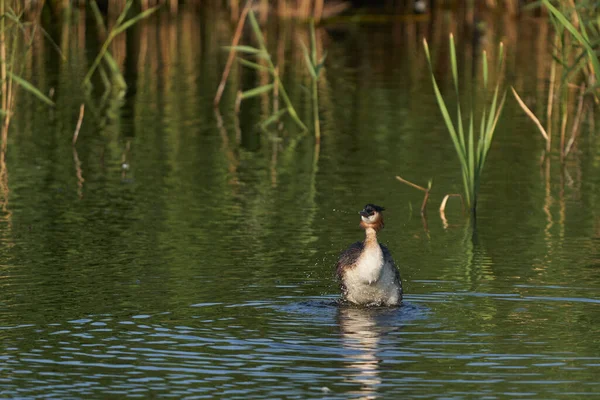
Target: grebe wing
[(387, 257), (348, 258)]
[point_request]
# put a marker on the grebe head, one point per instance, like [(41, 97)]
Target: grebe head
[(371, 217)]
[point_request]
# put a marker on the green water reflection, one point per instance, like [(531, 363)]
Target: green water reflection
[(181, 251)]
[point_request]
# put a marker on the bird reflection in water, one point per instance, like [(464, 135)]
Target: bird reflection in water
[(362, 332)]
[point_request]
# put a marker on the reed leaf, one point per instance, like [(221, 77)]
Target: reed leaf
[(134, 20), (443, 108), (262, 51), (115, 71), (30, 88), (471, 152), (282, 92), (471, 156), (253, 65), (256, 28), (123, 14), (307, 59), (244, 49), (119, 28), (256, 91), (274, 117), (98, 16), (321, 64), (485, 70), (581, 37), (454, 65)]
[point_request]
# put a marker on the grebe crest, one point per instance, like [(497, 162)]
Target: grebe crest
[(366, 270)]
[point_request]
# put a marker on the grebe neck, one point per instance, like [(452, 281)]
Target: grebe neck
[(371, 237)]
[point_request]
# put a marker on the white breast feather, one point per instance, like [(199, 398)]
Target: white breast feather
[(369, 265)]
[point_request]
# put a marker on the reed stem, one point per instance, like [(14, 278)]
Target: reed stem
[(231, 57), (426, 190)]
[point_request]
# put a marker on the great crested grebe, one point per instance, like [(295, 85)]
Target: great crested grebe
[(366, 270)]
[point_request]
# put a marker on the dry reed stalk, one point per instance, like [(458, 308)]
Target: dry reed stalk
[(574, 16), (445, 200), (234, 5), (304, 9), (532, 116), (512, 6), (79, 122), (6, 83), (551, 99), (264, 11), (173, 6), (236, 40), (3, 73), (443, 208), (282, 10), (576, 122), (318, 13), (563, 132), (426, 190)]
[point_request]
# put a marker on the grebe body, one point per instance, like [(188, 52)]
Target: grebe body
[(366, 270)]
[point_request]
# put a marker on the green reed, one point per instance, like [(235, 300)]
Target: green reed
[(577, 34), (12, 30), (120, 26), (472, 156), (586, 32), (314, 67), (262, 52), (577, 30)]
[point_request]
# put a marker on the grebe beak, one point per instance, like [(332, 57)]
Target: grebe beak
[(363, 213)]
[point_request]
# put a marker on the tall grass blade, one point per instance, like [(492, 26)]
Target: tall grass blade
[(308, 61), (481, 139), (123, 14), (471, 150), (113, 33), (30, 88), (253, 65), (244, 49), (261, 44), (454, 65), (321, 64), (98, 16), (115, 71), (256, 30), (485, 70), (500, 57), (257, 91), (471, 156), (497, 117), (466, 186), (134, 20), (443, 108), (564, 21), (274, 117), (313, 43)]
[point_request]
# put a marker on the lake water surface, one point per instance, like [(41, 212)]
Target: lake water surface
[(181, 252)]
